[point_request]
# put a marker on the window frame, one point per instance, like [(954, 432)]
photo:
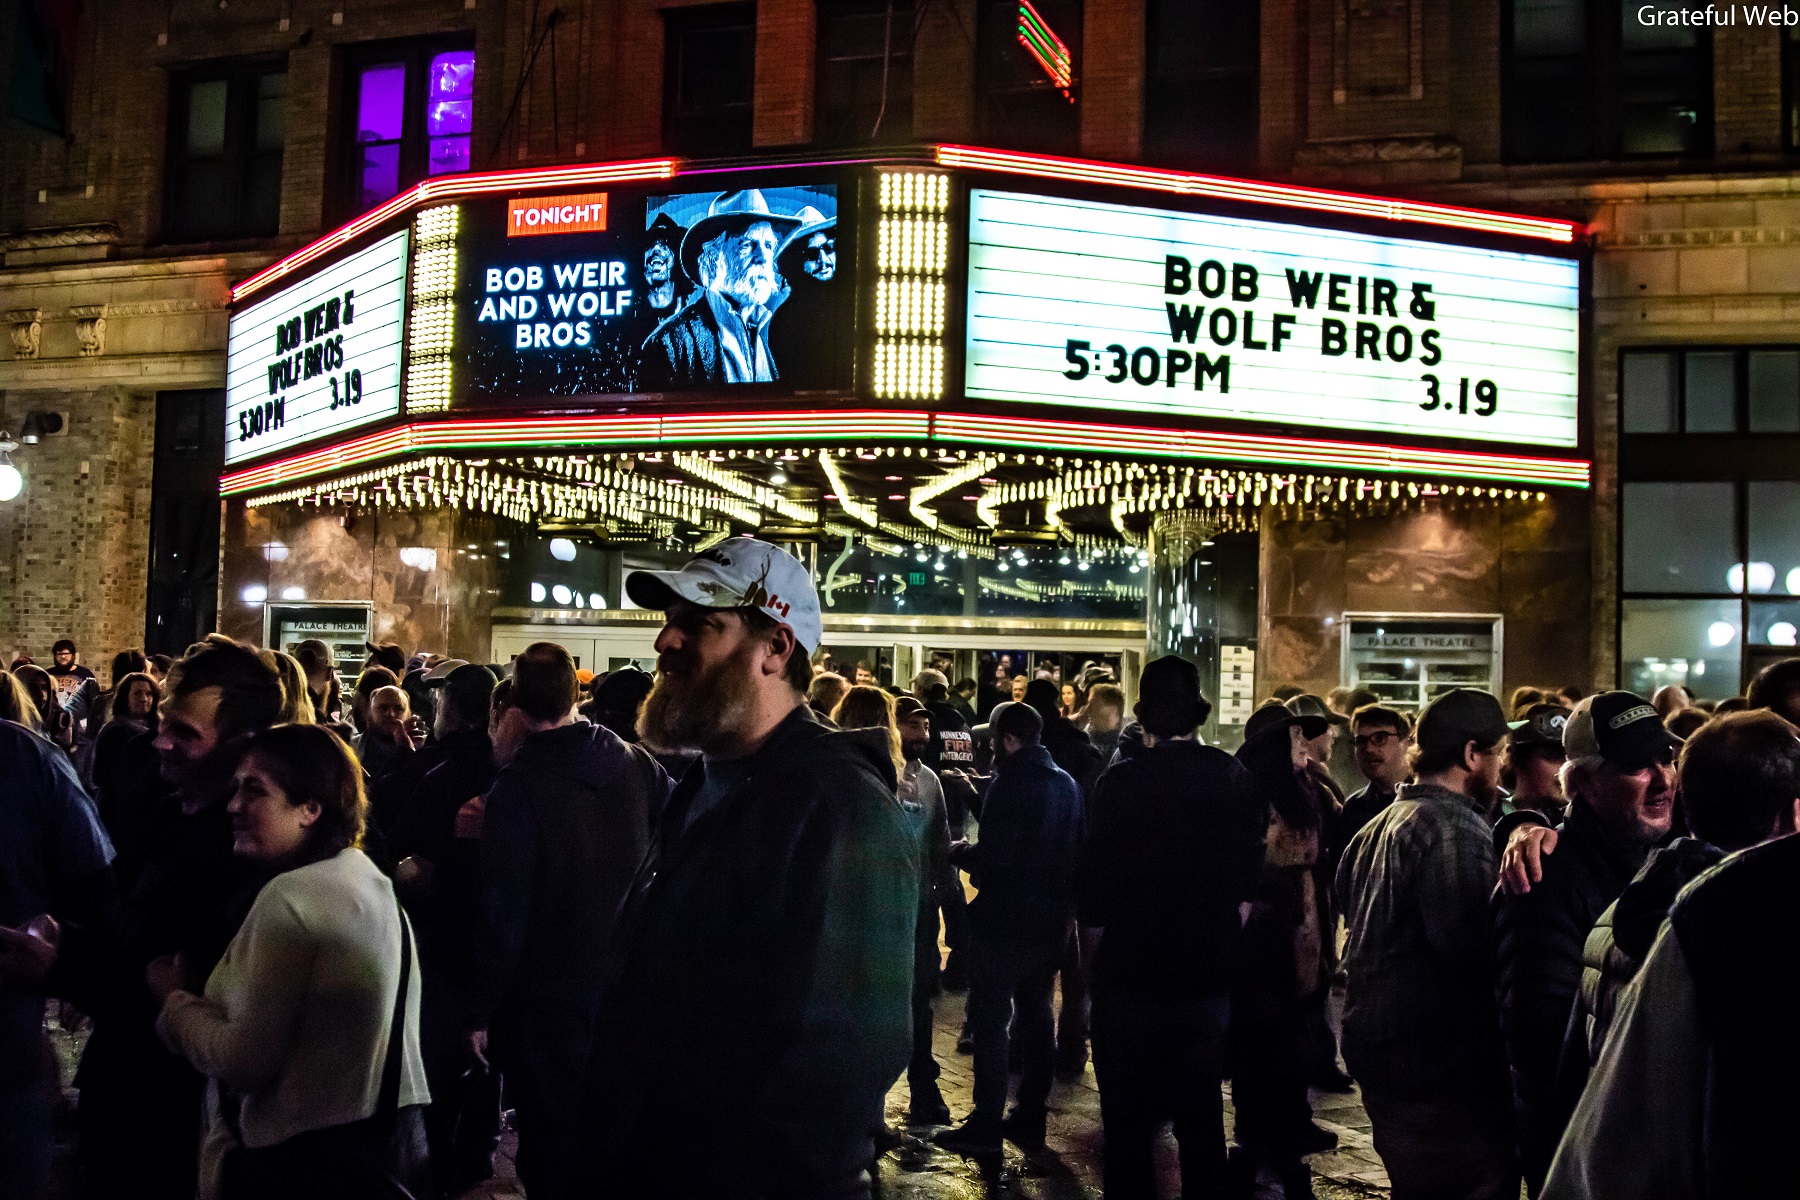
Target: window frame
[(904, 50), (1203, 79), (1678, 456), (416, 54), (677, 23), (242, 78), (1604, 72)]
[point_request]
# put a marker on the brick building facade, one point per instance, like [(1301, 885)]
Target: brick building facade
[(109, 307)]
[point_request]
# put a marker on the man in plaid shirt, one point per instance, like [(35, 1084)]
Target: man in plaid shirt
[(1421, 1032)]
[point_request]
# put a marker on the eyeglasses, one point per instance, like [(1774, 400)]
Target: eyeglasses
[(1379, 739)]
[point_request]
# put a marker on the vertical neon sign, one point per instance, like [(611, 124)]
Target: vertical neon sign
[(1049, 50)]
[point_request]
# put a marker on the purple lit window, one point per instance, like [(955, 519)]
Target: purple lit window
[(449, 88), (394, 147), (380, 125)]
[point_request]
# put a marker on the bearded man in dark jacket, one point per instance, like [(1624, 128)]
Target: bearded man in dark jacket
[(760, 994), (1621, 781)]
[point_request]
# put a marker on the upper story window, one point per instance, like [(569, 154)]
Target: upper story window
[(865, 72), (1603, 79), (411, 109), (1200, 82), (226, 132), (1018, 105), (1706, 389), (709, 74)]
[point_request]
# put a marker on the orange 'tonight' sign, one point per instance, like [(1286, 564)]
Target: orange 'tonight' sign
[(556, 214)]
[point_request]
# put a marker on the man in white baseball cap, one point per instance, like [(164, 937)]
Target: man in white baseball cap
[(761, 1002)]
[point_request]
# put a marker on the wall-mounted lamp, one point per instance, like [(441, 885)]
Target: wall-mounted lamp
[(40, 425)]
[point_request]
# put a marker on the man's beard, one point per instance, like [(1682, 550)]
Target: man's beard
[(698, 712), (752, 283)]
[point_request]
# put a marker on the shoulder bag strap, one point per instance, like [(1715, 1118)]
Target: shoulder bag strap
[(387, 1101)]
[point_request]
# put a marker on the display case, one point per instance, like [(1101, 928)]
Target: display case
[(1409, 659), (343, 627)]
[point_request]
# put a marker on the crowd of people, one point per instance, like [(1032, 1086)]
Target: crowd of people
[(686, 926)]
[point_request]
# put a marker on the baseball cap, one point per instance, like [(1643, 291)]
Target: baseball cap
[(1543, 726), (1620, 727), (906, 706), (1458, 717), (469, 685), (440, 672), (740, 572)]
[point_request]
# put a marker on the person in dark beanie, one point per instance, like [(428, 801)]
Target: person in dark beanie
[(1019, 922), (1421, 1030), (77, 690), (564, 827), (1175, 842), (1691, 1095), (184, 894), (388, 655)]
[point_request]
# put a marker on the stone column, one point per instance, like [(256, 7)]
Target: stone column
[(1181, 614)]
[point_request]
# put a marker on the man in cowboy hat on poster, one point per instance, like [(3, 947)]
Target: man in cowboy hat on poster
[(662, 282), (811, 315), (722, 334)]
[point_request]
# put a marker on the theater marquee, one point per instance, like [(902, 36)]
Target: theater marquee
[(1119, 307), (320, 357)]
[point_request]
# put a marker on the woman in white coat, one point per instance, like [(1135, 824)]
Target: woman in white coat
[(308, 1028)]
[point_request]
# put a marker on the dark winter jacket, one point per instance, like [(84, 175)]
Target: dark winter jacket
[(1070, 750), (1023, 868), (1175, 846), (1538, 940), (1359, 809), (565, 828), (760, 996), (1736, 926), (1618, 945)]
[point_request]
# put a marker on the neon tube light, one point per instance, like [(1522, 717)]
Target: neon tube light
[(1219, 187), (450, 187), (1296, 452), (791, 427), (508, 433), (1050, 51)]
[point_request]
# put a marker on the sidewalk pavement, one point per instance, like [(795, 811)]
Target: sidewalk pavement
[(1069, 1166)]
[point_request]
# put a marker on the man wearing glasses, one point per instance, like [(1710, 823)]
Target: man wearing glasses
[(1620, 779), (1380, 737)]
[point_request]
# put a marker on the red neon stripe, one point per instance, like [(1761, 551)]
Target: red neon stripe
[(1222, 187), (904, 425), (570, 431), (447, 187)]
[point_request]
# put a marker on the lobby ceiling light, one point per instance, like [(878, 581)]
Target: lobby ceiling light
[(11, 481)]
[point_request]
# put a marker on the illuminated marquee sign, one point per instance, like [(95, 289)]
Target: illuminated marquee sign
[(556, 214), (611, 295), (1119, 307), (320, 357)]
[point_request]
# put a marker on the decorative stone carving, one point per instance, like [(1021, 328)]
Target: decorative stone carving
[(26, 326), (90, 328), (102, 233)]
